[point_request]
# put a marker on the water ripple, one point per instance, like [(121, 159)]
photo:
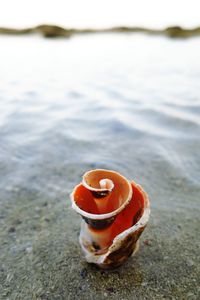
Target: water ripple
[(110, 105)]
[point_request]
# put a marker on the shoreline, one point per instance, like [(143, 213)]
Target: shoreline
[(53, 31)]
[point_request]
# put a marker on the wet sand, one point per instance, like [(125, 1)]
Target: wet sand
[(115, 106)]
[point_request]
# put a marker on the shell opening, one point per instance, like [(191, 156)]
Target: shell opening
[(102, 194)]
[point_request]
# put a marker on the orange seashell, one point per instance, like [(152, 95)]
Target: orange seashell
[(114, 212)]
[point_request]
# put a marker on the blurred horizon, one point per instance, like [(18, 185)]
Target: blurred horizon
[(102, 14)]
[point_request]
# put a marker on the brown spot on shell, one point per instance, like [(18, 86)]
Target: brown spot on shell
[(100, 194), (125, 250), (99, 224)]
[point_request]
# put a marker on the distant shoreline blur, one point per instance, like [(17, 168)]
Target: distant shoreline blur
[(53, 31)]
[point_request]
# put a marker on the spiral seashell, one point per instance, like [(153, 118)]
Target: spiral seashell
[(115, 213)]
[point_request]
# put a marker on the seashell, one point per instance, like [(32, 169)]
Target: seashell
[(115, 213)]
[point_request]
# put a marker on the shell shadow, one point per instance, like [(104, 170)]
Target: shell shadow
[(115, 280)]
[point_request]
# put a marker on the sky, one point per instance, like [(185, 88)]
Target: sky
[(100, 13)]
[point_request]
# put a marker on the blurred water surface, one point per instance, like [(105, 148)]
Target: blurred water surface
[(124, 102)]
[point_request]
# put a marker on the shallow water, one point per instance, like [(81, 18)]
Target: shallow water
[(125, 102), (119, 102)]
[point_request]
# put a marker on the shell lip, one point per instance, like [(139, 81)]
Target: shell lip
[(96, 216), (101, 216)]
